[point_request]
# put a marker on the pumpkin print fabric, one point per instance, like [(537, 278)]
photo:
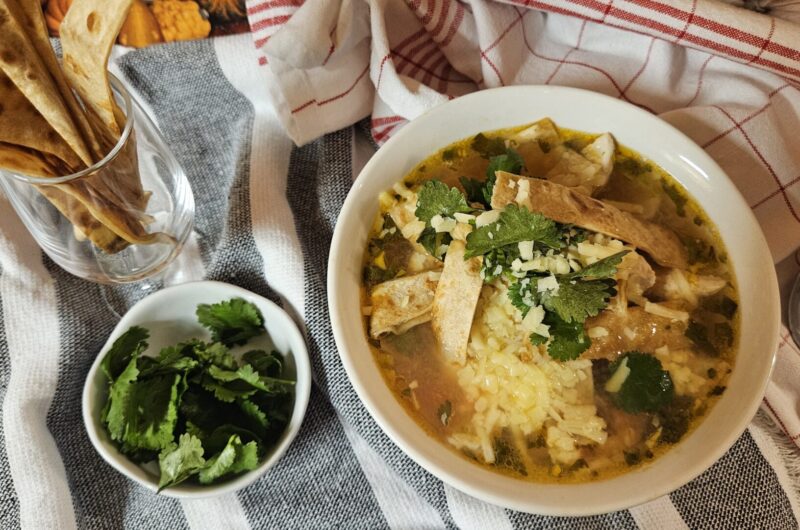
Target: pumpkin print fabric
[(153, 21)]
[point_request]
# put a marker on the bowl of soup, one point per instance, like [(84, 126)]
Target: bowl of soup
[(553, 300)]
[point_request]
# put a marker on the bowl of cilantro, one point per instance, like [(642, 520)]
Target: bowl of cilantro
[(199, 390)]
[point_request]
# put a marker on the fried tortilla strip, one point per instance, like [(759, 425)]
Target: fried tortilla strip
[(400, 304), (21, 124), (20, 61), (455, 302), (565, 205), (34, 24), (87, 33), (29, 163)]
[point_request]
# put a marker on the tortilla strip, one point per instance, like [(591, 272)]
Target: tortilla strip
[(400, 304), (87, 33), (455, 301), (22, 64), (29, 163), (34, 24), (565, 205), (21, 124)]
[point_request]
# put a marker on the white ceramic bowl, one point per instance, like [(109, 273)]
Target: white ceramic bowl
[(169, 315), (654, 139)]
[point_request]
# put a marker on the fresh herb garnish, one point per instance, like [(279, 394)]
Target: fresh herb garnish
[(647, 387), (510, 162), (568, 339), (194, 407), (579, 295), (516, 223), (232, 322), (437, 198), (487, 147)]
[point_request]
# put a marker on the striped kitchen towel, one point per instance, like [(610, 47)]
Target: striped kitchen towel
[(266, 211)]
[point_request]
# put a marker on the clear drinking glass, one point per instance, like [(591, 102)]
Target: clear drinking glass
[(163, 204)]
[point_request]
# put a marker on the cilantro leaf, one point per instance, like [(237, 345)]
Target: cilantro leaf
[(510, 162), (180, 461), (514, 225), (647, 388), (487, 147), (499, 257), (431, 240), (475, 191), (259, 420), (114, 414), (151, 412), (437, 198), (236, 457), (567, 339), (231, 322), (267, 364), (604, 268), (576, 300), (523, 295), (129, 345), (228, 385)]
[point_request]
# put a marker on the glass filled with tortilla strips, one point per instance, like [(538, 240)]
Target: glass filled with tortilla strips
[(549, 304), (87, 171)]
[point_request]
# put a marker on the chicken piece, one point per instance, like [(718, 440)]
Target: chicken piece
[(400, 304), (565, 205), (588, 170), (632, 330), (675, 284), (638, 276), (455, 301)]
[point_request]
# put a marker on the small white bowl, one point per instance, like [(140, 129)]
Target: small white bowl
[(654, 139), (169, 316)]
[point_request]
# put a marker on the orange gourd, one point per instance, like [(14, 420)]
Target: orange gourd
[(140, 28)]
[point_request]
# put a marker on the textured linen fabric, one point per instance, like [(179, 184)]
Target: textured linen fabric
[(341, 471)]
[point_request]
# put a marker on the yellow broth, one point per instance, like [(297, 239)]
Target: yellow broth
[(428, 388)]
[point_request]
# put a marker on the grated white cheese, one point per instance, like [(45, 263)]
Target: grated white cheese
[(525, 250), (615, 382), (487, 218), (550, 283), (533, 319), (443, 224), (463, 217)]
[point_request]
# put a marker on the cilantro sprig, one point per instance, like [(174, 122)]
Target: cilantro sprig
[(481, 191), (437, 198), (194, 407), (516, 223), (647, 386), (579, 295)]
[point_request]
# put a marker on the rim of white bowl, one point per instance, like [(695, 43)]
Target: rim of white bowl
[(191, 491), (694, 155)]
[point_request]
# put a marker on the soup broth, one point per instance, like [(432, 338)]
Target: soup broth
[(549, 304)]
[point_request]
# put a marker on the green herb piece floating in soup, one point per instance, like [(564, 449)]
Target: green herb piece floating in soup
[(554, 306), (194, 408)]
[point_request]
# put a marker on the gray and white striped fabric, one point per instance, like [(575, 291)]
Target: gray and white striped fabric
[(266, 212)]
